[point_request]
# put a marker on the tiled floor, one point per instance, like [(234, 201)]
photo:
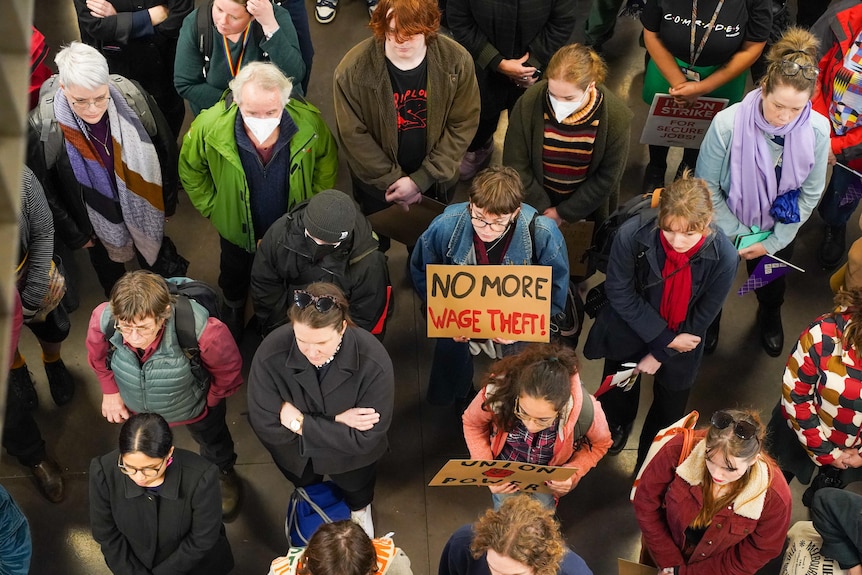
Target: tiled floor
[(597, 517)]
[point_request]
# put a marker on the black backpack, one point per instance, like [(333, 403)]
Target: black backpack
[(644, 206), (184, 289), (204, 33)]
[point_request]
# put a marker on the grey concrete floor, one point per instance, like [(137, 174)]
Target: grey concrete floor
[(597, 517)]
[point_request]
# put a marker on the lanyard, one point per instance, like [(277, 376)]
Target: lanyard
[(234, 68), (696, 54)]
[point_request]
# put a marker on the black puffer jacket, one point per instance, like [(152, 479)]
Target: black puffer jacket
[(284, 262)]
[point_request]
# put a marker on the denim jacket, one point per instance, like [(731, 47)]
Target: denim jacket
[(449, 241)]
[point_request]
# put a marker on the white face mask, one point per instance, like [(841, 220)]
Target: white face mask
[(563, 110), (261, 128)]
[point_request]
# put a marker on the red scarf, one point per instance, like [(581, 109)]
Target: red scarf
[(677, 284)]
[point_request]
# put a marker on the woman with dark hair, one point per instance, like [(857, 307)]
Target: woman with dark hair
[(667, 278), (530, 411), (764, 161), (724, 509), (343, 548), (816, 425), (320, 398), (155, 508)]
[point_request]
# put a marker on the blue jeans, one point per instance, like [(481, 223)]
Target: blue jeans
[(546, 499), (832, 213)]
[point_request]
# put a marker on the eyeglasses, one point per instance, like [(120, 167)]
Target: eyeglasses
[(744, 430), (540, 421), (130, 329), (322, 303), (99, 103), (495, 226), (145, 471), (790, 68)]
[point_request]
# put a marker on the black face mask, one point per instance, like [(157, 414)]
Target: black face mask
[(318, 252)]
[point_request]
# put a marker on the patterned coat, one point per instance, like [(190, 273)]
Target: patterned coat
[(822, 389)]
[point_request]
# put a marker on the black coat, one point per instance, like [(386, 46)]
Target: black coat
[(361, 375), (494, 30), (180, 532), (147, 59), (630, 326), (283, 263)]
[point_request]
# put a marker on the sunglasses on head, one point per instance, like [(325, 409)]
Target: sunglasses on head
[(742, 429), (322, 303), (790, 68)]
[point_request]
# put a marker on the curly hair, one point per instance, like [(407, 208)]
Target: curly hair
[(852, 300), (411, 17), (543, 371), (725, 443), (523, 530)]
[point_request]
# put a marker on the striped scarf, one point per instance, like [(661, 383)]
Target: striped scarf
[(136, 173), (567, 146)]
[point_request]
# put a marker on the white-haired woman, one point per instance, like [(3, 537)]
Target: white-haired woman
[(107, 161)]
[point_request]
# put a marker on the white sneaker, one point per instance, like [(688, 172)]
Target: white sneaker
[(363, 518), (372, 5), (324, 10)]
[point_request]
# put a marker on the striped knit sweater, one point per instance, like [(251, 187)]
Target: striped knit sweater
[(36, 232), (567, 147)]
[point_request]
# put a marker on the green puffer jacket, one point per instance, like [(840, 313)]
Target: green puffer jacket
[(164, 384), (213, 177)]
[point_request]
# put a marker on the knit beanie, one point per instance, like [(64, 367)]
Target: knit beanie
[(330, 216)]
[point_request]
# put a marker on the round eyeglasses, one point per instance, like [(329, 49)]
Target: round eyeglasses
[(495, 226), (790, 68)]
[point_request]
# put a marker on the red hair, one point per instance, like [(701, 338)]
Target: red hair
[(411, 17)]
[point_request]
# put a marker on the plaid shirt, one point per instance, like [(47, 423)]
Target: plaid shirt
[(526, 447)]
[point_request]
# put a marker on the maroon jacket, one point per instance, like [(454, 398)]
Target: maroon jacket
[(741, 538)]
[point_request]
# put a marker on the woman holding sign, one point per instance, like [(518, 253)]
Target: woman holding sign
[(493, 228), (320, 398), (700, 48), (764, 161), (533, 409), (667, 279)]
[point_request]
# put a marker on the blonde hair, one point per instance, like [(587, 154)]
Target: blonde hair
[(687, 199), (799, 46), (577, 64)]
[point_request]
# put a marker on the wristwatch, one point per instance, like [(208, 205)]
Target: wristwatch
[(296, 424)]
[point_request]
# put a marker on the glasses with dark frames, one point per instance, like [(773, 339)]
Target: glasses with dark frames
[(495, 226), (322, 303), (148, 472), (790, 68), (744, 430)]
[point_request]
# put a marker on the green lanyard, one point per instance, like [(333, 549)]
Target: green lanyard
[(694, 55)]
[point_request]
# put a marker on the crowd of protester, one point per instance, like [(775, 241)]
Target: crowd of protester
[(416, 108)]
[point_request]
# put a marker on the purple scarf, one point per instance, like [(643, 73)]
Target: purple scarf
[(753, 186)]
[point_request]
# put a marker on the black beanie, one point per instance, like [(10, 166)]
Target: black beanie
[(330, 216)]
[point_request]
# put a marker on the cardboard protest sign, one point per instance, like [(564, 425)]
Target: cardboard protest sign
[(670, 125), (406, 227), (579, 238), (632, 568), (529, 477), (482, 302)]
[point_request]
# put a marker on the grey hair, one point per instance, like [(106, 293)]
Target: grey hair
[(83, 66), (266, 76)]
